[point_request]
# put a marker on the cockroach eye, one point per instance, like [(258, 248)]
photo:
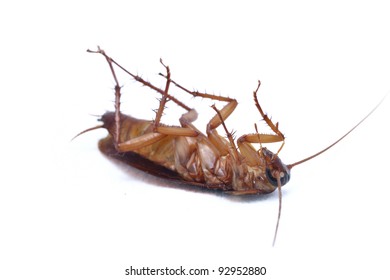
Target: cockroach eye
[(284, 178)]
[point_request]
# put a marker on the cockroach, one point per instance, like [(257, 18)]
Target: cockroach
[(185, 155)]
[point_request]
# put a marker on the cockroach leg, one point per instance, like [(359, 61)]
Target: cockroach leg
[(186, 118), (260, 138), (139, 79), (159, 132), (258, 134), (140, 141), (148, 84), (117, 95), (176, 131), (244, 142), (212, 134), (154, 137), (229, 135), (274, 127), (215, 122), (163, 100)]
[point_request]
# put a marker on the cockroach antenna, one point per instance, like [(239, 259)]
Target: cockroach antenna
[(87, 130), (337, 141), (290, 166)]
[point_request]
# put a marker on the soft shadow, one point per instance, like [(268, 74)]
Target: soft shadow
[(136, 167)]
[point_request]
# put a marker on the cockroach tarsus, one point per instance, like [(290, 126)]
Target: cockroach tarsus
[(184, 154)]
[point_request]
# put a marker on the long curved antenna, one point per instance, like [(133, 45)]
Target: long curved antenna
[(341, 138), (88, 129), (280, 207)]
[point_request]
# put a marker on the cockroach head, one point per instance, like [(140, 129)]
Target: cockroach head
[(275, 168), (108, 119)]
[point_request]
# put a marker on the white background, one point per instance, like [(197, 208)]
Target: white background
[(67, 212)]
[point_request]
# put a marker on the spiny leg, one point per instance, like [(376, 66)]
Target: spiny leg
[(258, 136), (148, 84), (159, 131), (178, 131), (274, 127), (117, 96), (244, 142), (191, 113), (163, 99), (229, 135), (215, 122), (218, 119), (229, 108), (200, 94), (224, 112)]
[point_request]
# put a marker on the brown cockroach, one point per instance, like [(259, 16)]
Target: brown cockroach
[(186, 155)]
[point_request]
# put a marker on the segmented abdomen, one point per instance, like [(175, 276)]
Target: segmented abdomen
[(194, 159)]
